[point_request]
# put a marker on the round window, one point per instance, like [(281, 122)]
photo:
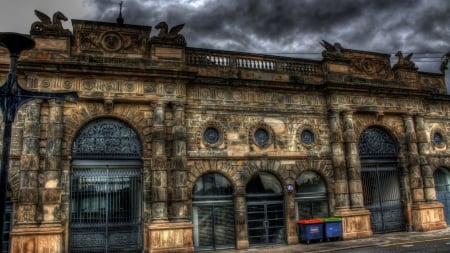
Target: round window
[(211, 135), (307, 137), (438, 139), (261, 137)]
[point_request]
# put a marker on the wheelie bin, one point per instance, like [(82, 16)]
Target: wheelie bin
[(332, 228), (310, 229)]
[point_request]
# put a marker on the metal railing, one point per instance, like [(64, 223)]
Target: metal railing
[(238, 60)]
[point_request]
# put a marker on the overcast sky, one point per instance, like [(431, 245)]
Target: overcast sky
[(292, 28)]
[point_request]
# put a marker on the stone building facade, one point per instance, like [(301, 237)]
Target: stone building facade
[(178, 149)]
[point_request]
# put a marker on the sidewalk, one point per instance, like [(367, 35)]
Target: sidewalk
[(377, 239)]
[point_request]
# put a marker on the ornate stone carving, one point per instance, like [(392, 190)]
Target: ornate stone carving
[(47, 26), (170, 37), (377, 68)]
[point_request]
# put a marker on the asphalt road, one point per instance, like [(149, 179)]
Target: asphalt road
[(441, 245)]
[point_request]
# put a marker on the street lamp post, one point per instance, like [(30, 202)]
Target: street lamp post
[(12, 96)]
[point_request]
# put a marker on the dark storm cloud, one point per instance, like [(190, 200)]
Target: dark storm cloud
[(294, 26)]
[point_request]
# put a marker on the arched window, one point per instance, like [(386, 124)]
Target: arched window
[(213, 213), (311, 196)]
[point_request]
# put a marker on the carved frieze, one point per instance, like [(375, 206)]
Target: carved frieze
[(377, 68), (102, 38), (378, 102)]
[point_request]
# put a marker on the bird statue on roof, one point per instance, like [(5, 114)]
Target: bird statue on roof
[(171, 35), (404, 62), (332, 51)]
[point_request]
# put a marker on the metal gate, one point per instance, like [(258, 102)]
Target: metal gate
[(381, 191), (105, 209), (381, 180), (265, 223), (442, 183), (213, 226), (7, 226)]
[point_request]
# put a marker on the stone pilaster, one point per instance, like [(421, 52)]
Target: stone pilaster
[(352, 162), (429, 214), (241, 221), (413, 160), (179, 190), (28, 211), (291, 223), (159, 165), (424, 151), (50, 187), (339, 166)]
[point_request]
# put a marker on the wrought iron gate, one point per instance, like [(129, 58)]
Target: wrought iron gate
[(381, 191), (265, 223), (105, 209), (381, 180)]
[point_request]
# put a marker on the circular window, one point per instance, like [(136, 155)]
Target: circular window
[(438, 139), (307, 137), (211, 135), (261, 137)]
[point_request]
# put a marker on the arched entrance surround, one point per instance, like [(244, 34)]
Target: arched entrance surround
[(106, 188)]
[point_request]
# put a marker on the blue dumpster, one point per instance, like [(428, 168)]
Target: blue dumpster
[(310, 229), (332, 228)]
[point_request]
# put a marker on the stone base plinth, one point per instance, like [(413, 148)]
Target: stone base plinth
[(355, 223), (170, 237), (242, 244), (292, 239), (38, 239), (428, 216)]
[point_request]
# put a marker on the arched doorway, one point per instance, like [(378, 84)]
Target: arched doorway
[(442, 183), (106, 189), (311, 196), (7, 221), (381, 180), (265, 210), (213, 213)]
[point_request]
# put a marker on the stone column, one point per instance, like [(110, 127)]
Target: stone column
[(413, 160), (352, 161), (159, 165), (424, 151), (340, 169), (179, 190)]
